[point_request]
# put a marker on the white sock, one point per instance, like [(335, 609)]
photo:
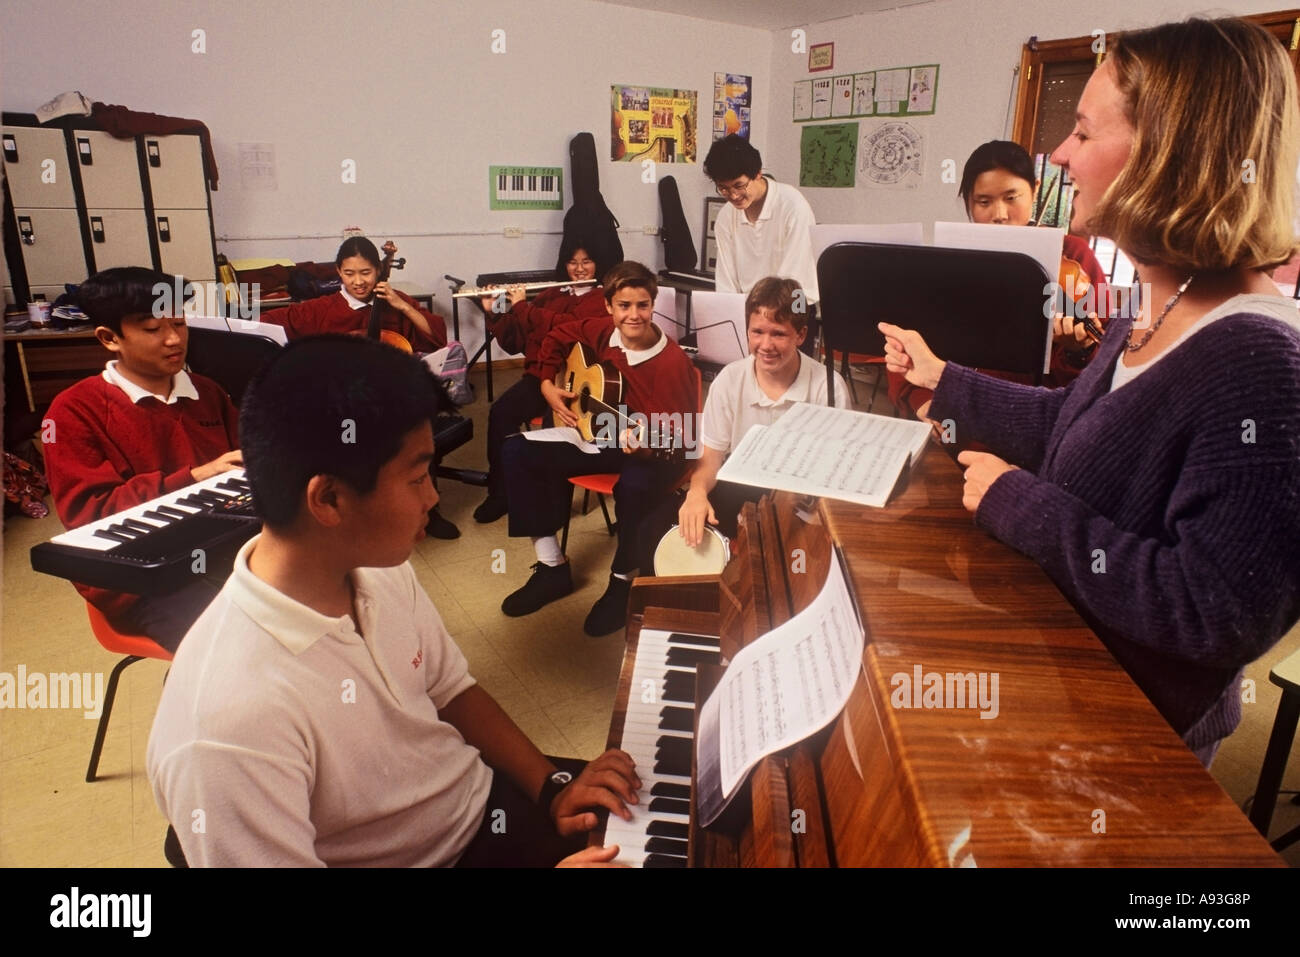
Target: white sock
[(624, 576), (548, 550)]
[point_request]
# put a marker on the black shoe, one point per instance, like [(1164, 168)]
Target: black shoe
[(439, 527), (548, 582), (609, 614), (491, 509)]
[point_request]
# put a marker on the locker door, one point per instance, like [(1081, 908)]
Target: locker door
[(54, 255), (110, 170), (119, 237), (175, 165), (185, 243), (32, 157)]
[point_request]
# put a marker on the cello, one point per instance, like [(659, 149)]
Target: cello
[(374, 328)]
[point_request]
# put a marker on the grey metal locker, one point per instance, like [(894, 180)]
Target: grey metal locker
[(52, 250), (185, 243), (175, 167), (118, 237), (36, 166)]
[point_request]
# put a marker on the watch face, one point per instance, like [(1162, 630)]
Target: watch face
[(561, 777)]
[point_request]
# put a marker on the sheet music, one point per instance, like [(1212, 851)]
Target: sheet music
[(835, 453), (562, 433), (778, 690)]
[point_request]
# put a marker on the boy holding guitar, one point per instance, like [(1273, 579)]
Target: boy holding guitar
[(658, 380)]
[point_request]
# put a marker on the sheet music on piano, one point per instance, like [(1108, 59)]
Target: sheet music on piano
[(834, 453), (778, 690)]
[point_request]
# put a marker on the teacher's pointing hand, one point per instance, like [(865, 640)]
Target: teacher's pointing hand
[(907, 353)]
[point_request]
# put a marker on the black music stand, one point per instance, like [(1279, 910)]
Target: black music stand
[(981, 308)]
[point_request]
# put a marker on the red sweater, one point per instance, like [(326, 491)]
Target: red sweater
[(109, 453), (907, 398), (666, 383), (333, 313), (526, 325)]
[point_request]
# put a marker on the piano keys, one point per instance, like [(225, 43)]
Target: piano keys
[(657, 732), (149, 548)]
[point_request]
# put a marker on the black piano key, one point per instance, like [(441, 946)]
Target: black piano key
[(663, 860), (678, 639), (673, 756), (666, 845), (670, 764), (193, 501), (113, 536), (669, 790), (235, 485), (174, 512), (139, 526), (159, 516), (669, 806), (691, 657), (213, 496), (668, 829), (679, 686), (677, 719)]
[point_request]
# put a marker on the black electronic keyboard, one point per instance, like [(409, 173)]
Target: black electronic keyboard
[(658, 734), (150, 548)]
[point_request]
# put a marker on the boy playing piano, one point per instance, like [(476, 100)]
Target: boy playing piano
[(140, 429), (658, 379), (319, 713)]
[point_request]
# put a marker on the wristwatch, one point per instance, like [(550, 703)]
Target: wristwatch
[(553, 784)]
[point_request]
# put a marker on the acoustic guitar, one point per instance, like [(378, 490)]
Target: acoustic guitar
[(598, 405)]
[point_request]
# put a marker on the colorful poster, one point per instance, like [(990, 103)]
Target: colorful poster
[(828, 154), (653, 123), (731, 104)]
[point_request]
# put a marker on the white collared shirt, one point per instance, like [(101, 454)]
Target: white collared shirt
[(737, 402), (307, 741), (778, 243), (352, 300), (637, 356), (182, 386)]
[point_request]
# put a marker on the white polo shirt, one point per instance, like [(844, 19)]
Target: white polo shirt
[(285, 738), (778, 243), (736, 402)]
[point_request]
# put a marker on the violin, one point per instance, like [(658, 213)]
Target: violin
[(374, 328), (1072, 276)]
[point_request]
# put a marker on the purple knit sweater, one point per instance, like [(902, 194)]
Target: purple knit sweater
[(1186, 484)]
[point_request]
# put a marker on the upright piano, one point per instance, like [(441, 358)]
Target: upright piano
[(1076, 769)]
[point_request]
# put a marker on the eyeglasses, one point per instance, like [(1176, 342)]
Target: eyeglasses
[(738, 189)]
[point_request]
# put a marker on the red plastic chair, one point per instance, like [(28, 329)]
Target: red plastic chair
[(135, 647)]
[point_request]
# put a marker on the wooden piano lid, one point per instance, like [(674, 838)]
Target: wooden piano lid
[(1075, 747)]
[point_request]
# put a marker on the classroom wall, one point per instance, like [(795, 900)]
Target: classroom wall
[(977, 44), (409, 90)]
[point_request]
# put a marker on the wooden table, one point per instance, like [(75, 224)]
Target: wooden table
[(50, 360)]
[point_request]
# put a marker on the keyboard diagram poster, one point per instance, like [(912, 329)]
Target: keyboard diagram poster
[(655, 123), (525, 187)]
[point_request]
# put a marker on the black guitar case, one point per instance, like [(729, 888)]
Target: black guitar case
[(589, 221), (679, 248)]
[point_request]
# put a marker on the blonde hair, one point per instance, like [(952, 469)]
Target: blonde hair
[(1209, 183), (772, 292)]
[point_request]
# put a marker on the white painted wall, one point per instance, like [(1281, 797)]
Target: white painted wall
[(977, 44), (409, 90)]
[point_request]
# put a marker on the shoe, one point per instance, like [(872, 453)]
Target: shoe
[(548, 582), (609, 614), (491, 509), (439, 527)]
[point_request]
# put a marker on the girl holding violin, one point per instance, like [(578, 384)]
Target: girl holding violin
[(1159, 490), (520, 328), (998, 186), (360, 270)]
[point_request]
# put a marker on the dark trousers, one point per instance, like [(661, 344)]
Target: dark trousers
[(727, 499), (166, 618), (518, 404), (539, 492), (515, 832)]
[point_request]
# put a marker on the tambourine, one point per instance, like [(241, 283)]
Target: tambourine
[(673, 557)]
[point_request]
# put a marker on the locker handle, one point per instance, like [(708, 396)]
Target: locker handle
[(26, 231), (97, 228), (10, 148), (164, 230), (151, 148), (83, 150)]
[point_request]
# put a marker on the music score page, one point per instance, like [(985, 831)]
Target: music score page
[(778, 690), (834, 453)]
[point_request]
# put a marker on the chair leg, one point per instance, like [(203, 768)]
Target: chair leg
[(568, 514), (604, 511), (847, 372), (875, 388), (1275, 757), (586, 500), (102, 730)]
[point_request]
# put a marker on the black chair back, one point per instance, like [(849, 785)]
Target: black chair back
[(230, 359)]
